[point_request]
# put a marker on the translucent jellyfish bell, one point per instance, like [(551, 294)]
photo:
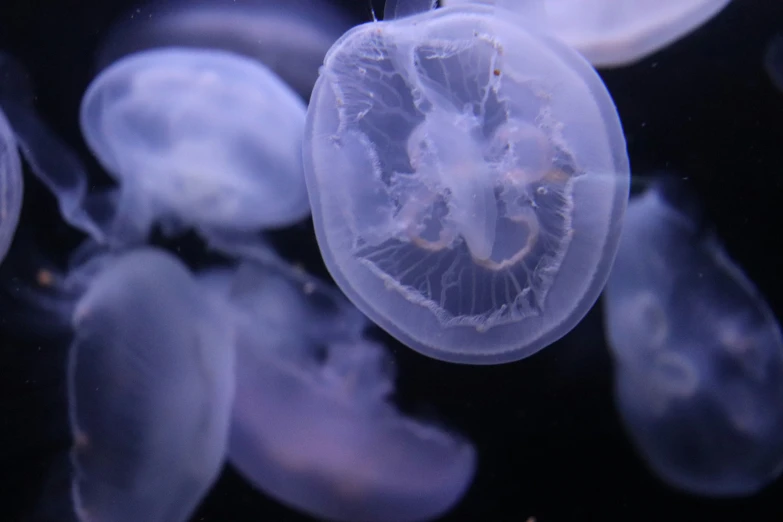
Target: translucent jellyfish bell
[(698, 353), (10, 185), (150, 385), (290, 37), (198, 138), (617, 32), (468, 179), (312, 423), (621, 32)]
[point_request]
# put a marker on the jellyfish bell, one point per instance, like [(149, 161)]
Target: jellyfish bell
[(290, 37), (152, 442), (621, 33), (487, 251), (198, 138), (367, 462), (698, 353), (150, 384), (10, 184), (312, 424), (617, 32)]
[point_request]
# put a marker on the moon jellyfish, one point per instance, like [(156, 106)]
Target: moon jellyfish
[(198, 138), (468, 179), (312, 423), (290, 37), (10, 185), (622, 32), (773, 60), (698, 353), (611, 33), (150, 383)]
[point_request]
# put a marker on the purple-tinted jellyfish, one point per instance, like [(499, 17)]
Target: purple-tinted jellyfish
[(10, 184), (698, 355), (467, 179), (613, 33), (312, 423), (199, 138), (290, 37), (619, 32), (150, 387), (195, 139)]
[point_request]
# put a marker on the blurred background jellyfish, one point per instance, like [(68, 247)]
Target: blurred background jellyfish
[(312, 422), (10, 184), (698, 354), (290, 37), (613, 33), (150, 387), (773, 60), (197, 138), (467, 180)]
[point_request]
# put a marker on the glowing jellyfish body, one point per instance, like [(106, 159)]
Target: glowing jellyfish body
[(617, 32), (622, 32), (699, 356), (198, 138), (290, 37), (10, 185), (312, 422), (49, 159), (468, 180), (150, 386)]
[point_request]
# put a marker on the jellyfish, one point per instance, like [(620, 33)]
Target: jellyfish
[(198, 138), (290, 37), (10, 185), (698, 355), (617, 32), (312, 424), (773, 60), (150, 383), (467, 179)]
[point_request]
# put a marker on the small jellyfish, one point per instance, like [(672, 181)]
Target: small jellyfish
[(150, 387), (198, 138), (290, 37), (468, 180), (621, 32), (773, 61), (613, 33), (312, 423), (698, 355), (10, 184)]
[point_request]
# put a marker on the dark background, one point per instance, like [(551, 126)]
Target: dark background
[(549, 442)]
